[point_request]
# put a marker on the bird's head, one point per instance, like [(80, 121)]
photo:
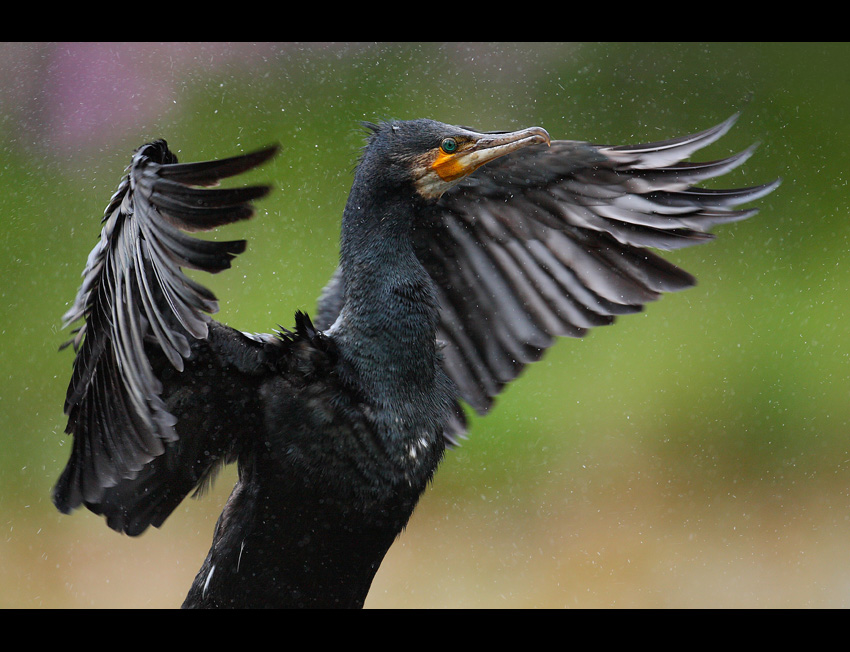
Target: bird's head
[(434, 156)]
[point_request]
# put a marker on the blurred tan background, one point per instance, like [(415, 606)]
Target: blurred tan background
[(695, 455)]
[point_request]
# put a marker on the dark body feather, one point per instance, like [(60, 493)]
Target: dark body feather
[(451, 279), (321, 495)]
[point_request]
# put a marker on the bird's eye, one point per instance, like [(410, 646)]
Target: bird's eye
[(449, 145)]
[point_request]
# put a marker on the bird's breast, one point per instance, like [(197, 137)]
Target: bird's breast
[(332, 439)]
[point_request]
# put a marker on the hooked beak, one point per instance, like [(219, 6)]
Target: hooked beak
[(446, 169), (488, 147)]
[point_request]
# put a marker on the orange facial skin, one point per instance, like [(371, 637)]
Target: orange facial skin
[(449, 167)]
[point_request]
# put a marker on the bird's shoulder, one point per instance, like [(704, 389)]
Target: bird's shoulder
[(307, 386)]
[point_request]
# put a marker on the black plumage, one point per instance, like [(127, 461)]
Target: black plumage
[(463, 255)]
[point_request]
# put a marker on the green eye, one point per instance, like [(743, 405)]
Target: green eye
[(449, 145)]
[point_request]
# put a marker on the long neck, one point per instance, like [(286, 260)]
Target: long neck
[(388, 322)]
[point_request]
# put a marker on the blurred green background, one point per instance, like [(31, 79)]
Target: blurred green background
[(694, 455)]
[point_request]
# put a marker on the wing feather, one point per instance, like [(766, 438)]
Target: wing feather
[(556, 240), (134, 296)]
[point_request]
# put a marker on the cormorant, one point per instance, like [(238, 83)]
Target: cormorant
[(463, 254)]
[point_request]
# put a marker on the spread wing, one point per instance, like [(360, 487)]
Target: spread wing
[(552, 241), (142, 314)]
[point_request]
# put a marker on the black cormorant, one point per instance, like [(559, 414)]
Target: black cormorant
[(463, 255)]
